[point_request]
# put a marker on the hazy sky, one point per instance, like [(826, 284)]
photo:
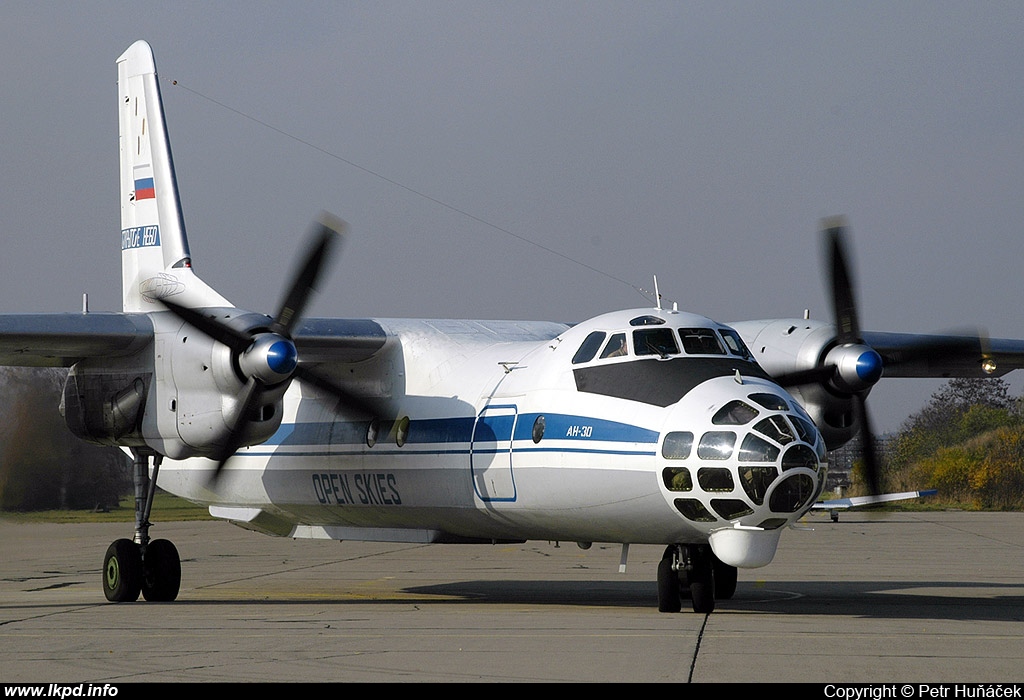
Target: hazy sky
[(699, 142)]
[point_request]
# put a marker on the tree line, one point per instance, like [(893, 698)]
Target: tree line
[(967, 442), (43, 466)]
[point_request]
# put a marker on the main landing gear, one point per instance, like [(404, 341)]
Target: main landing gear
[(693, 571), (130, 567)]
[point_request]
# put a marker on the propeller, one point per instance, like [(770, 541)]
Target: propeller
[(852, 367), (868, 364), (268, 357)]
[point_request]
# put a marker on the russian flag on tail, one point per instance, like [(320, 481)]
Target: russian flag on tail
[(143, 175)]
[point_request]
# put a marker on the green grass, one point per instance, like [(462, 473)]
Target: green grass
[(166, 508)]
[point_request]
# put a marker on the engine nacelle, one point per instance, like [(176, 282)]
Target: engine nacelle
[(179, 394), (105, 408), (201, 387), (786, 347)]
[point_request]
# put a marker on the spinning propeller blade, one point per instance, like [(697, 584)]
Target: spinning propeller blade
[(852, 367), (269, 358)]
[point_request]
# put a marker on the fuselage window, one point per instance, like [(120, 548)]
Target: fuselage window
[(716, 444), (755, 449), (701, 341), (730, 509), (777, 428), (538, 429), (804, 428), (677, 479), (655, 341), (616, 346), (402, 431), (735, 343), (792, 494), (800, 456), (589, 348), (694, 510), (715, 479), (735, 413), (677, 445), (756, 480)]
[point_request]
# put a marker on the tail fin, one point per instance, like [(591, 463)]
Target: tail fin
[(155, 260)]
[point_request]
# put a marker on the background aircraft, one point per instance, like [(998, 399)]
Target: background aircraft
[(646, 426), (834, 505)]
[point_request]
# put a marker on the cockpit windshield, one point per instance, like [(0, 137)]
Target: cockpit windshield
[(616, 346), (701, 341), (735, 343), (663, 342), (655, 341)]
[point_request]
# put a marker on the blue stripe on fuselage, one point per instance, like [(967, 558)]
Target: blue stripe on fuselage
[(434, 431)]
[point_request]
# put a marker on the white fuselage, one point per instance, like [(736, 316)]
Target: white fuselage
[(492, 438)]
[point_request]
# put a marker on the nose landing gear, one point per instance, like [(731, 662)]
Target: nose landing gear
[(693, 571)]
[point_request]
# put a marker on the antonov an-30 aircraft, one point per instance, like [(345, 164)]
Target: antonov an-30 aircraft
[(649, 426)]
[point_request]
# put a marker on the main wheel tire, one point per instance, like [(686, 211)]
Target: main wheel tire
[(122, 572), (669, 599), (161, 572)]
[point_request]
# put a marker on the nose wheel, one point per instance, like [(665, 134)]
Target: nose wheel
[(693, 571), (130, 567)]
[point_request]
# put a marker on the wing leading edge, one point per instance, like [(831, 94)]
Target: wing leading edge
[(61, 340), (986, 357)]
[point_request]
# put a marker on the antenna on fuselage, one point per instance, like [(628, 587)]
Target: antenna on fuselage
[(657, 294)]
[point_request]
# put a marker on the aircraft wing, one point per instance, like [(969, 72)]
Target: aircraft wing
[(327, 340), (857, 501), (902, 355), (61, 340)]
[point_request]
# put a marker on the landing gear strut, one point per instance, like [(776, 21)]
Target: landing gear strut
[(130, 567), (693, 571)]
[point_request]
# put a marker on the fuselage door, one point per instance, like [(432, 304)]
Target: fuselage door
[(490, 455)]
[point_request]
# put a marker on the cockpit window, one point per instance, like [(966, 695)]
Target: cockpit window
[(770, 401), (589, 348), (735, 413), (655, 341), (616, 346), (647, 321), (735, 343), (701, 341)]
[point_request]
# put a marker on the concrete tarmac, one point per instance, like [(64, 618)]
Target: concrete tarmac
[(877, 597)]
